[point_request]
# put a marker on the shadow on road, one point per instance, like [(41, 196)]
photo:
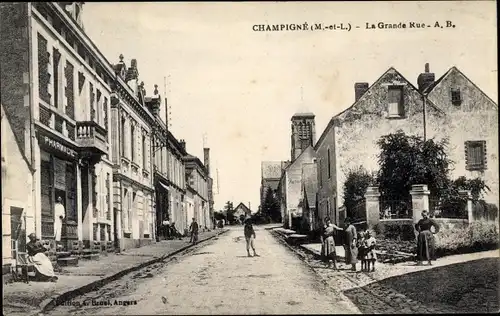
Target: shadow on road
[(468, 287)]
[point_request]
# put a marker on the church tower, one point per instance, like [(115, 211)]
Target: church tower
[(303, 133)]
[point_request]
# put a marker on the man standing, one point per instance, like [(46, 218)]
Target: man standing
[(250, 237), (194, 231), (166, 229), (59, 214)]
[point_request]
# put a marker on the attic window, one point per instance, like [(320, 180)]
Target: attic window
[(395, 101), (456, 96)]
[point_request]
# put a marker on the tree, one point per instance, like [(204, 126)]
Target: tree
[(229, 210), (355, 185), (270, 209), (407, 160), (219, 215)]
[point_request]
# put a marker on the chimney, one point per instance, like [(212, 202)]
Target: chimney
[(359, 89), (425, 79), (206, 157), (156, 101), (182, 142)]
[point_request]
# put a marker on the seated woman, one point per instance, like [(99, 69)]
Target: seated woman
[(36, 255)]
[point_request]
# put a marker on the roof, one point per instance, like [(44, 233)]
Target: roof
[(244, 207), (310, 183), (303, 115), (391, 69)]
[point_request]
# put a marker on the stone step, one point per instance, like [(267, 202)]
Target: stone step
[(90, 256), (68, 261), (63, 254)]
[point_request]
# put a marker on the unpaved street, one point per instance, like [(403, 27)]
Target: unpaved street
[(218, 278)]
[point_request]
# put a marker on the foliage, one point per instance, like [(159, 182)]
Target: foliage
[(357, 181), (259, 218), (486, 211), (453, 204), (407, 160), (219, 215), (229, 211), (398, 232), (271, 207), (477, 236)]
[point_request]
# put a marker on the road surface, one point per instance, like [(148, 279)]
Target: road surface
[(218, 278)]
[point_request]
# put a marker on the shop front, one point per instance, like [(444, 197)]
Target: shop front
[(162, 208), (58, 183)]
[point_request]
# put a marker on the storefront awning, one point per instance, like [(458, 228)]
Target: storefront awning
[(164, 186)]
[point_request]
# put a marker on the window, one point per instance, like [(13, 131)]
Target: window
[(99, 108), (456, 96), (132, 141), (108, 196), (92, 103), (70, 93), (329, 165), (43, 73), (123, 137), (475, 155), (395, 101), (320, 173), (144, 153), (56, 58)]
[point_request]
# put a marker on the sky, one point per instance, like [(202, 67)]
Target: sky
[(238, 88)]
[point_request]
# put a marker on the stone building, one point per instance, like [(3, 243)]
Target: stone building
[(270, 177), (303, 137), (242, 210), (310, 219), (56, 89), (392, 103), (18, 218), (169, 179), (210, 184), (197, 184), (132, 127)]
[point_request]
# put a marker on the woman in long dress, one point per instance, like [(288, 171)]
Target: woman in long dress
[(328, 252), (36, 255), (425, 239), (350, 246)]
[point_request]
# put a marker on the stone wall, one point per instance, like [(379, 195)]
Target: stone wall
[(358, 129)]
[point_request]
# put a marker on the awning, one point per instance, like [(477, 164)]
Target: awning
[(164, 186)]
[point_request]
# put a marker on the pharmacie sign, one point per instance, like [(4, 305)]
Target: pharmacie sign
[(57, 146)]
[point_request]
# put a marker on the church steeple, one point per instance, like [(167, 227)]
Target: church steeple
[(303, 133)]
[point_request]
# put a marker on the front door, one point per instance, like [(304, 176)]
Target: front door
[(116, 238)]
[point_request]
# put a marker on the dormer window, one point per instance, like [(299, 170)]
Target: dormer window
[(456, 96), (395, 101)]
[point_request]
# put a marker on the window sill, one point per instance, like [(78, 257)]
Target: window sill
[(125, 160), (475, 168), (135, 165)]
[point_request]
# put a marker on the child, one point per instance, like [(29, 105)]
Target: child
[(362, 250), (370, 255)]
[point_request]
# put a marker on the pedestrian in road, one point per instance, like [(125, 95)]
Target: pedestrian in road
[(328, 252), (193, 228), (44, 271), (166, 229), (425, 239), (351, 251), (250, 237)]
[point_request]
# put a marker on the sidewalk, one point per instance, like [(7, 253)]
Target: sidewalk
[(21, 298)]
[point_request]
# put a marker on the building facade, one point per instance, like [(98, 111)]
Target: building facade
[(17, 194), (132, 126), (56, 87), (197, 184), (270, 176), (242, 211)]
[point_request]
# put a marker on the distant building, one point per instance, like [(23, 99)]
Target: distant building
[(310, 219), (270, 177), (240, 210)]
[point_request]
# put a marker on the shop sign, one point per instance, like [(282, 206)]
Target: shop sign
[(54, 144)]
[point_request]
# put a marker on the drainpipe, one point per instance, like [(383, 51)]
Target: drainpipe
[(424, 99), (31, 115)]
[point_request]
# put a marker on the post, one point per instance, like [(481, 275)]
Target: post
[(372, 200), (419, 200), (79, 216), (468, 196)]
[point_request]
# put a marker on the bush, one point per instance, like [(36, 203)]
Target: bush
[(477, 236), (405, 232), (355, 185)]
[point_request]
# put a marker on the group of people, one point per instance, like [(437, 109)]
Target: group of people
[(361, 246)]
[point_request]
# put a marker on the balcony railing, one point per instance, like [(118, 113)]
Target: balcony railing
[(92, 137)]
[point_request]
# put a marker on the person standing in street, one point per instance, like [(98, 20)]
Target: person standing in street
[(351, 249), (193, 228), (166, 229), (425, 239), (328, 252), (250, 237), (59, 214)]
